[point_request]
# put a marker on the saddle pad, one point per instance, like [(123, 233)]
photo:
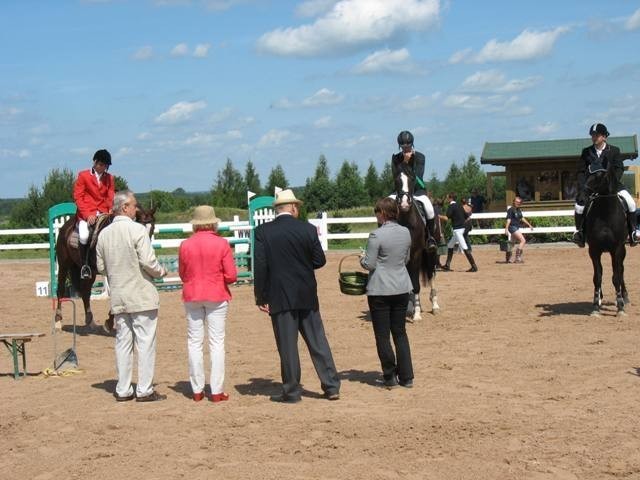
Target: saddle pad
[(99, 225)]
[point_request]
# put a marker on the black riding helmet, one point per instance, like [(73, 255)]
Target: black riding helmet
[(599, 129), (102, 156), (405, 138)]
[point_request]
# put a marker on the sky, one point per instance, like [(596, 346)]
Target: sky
[(172, 88)]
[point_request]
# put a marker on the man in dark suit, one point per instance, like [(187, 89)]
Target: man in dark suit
[(286, 253), (598, 157)]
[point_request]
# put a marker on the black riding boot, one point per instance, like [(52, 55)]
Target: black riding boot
[(85, 271), (447, 266), (432, 244), (578, 237), (632, 222), (472, 262)]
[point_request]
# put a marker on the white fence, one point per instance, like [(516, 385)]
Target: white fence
[(241, 228)]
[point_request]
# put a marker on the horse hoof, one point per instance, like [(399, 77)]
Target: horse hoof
[(595, 313), (435, 311), (58, 325), (621, 313)]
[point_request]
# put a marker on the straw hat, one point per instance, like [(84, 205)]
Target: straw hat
[(204, 215), (285, 197)]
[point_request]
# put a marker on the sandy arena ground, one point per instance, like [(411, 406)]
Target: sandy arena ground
[(514, 380)]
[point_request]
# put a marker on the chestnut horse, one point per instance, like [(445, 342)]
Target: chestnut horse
[(422, 263), (70, 263)]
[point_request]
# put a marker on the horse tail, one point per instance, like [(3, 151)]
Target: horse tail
[(428, 265)]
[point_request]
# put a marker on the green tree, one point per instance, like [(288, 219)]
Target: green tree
[(463, 180), (372, 184), (32, 211), (252, 179), (120, 183), (277, 178), (229, 189), (350, 190), (386, 179), (319, 192)]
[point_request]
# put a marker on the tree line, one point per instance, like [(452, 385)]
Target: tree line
[(348, 188)]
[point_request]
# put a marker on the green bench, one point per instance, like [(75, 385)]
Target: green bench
[(15, 343)]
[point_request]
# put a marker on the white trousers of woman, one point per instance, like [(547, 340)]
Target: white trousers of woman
[(214, 314), (137, 328), (458, 237)]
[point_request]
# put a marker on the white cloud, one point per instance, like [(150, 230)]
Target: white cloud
[(356, 141), (214, 5), (495, 81), (124, 151), (389, 61), (143, 53), (201, 50), (529, 45), (633, 22), (545, 128), (180, 112), (418, 102), (322, 122), (323, 97), (180, 50), (352, 25), (509, 105), (80, 151), (144, 136), (313, 8), (209, 139), (273, 138)]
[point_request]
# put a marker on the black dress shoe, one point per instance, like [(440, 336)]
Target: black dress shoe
[(126, 398), (406, 383), (284, 399), (332, 395), (390, 383), (154, 397)]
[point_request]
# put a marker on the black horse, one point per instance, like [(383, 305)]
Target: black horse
[(422, 263), (70, 263), (605, 228)]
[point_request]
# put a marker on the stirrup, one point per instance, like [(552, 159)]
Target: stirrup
[(432, 245), (85, 272)]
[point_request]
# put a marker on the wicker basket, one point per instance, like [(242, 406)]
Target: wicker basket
[(352, 283)]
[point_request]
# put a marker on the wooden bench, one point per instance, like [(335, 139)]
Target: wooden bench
[(15, 343)]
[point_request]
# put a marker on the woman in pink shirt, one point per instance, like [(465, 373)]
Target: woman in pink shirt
[(206, 267)]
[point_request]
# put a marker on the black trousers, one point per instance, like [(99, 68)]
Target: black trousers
[(388, 316), (286, 326)]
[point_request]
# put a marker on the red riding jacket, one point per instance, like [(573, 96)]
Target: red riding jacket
[(92, 196)]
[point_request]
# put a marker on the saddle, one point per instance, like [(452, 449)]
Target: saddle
[(73, 239)]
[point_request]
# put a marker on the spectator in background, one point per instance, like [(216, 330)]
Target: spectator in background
[(515, 219), (478, 202), (455, 213)]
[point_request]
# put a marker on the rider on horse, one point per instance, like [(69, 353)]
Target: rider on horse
[(595, 158), (93, 193), (415, 160)]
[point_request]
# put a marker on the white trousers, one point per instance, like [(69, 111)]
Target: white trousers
[(215, 315), (458, 237), (428, 207), (626, 196), (83, 232), (137, 328)]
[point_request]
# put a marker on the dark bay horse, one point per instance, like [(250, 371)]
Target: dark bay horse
[(605, 228), (422, 263), (70, 263)]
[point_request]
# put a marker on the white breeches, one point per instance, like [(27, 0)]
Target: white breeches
[(425, 202), (214, 314), (137, 328), (626, 196), (458, 237), (83, 232)]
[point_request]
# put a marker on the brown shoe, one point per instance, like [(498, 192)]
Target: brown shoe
[(125, 398), (154, 397)]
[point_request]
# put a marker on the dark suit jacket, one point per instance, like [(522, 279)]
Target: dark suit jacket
[(286, 252), (589, 157), (417, 163)]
